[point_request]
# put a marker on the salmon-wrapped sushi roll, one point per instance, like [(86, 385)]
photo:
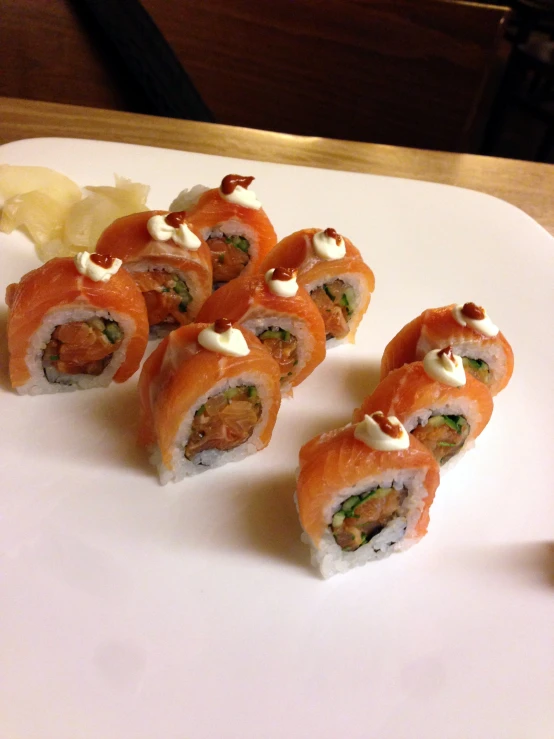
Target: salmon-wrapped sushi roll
[(363, 492), (436, 401), (232, 221), (75, 323), (333, 272), (168, 260), (281, 314), (467, 328), (209, 394)]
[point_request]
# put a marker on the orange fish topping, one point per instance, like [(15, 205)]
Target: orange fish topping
[(176, 219), (231, 181), (473, 311), (102, 260), (390, 429), (222, 325)]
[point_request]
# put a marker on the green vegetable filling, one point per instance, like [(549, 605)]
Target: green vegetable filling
[(275, 334), (183, 292), (112, 332), (456, 423), (355, 523), (475, 364), (349, 505), (239, 241)]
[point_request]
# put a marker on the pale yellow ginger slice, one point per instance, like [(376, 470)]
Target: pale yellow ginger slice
[(16, 180), (51, 208), (38, 213)]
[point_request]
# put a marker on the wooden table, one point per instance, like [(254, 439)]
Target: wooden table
[(528, 185)]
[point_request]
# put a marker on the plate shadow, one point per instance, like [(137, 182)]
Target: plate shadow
[(4, 355), (361, 379)]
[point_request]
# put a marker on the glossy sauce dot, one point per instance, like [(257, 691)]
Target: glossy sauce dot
[(473, 311), (231, 181), (222, 325), (176, 219), (390, 429), (102, 260)]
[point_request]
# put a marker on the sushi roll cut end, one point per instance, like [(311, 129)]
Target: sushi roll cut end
[(364, 492)]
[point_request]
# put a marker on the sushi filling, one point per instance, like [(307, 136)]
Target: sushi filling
[(362, 517), (283, 346), (444, 436), (225, 421), (478, 368), (335, 301), (81, 348), (166, 295), (230, 255)]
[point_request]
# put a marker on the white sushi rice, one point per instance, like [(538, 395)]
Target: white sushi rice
[(358, 286), (295, 326), (182, 467), (39, 384), (394, 537)]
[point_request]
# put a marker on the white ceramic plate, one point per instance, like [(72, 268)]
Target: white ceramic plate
[(130, 610)]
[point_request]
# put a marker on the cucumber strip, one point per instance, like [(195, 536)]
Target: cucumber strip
[(112, 332), (445, 443), (252, 391), (454, 423), (476, 364), (338, 519), (54, 357), (436, 421), (350, 503), (231, 392), (200, 410), (239, 241), (270, 335)]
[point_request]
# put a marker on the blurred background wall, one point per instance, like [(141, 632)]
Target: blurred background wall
[(436, 74)]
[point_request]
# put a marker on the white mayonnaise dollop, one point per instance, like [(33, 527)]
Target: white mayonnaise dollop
[(282, 288), (483, 326), (439, 366), (84, 261), (161, 230), (242, 196), (370, 432), (326, 246), (230, 342), (188, 197)]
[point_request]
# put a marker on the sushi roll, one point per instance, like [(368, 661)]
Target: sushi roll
[(168, 260), (333, 272), (467, 328), (363, 492), (75, 323), (444, 407), (231, 219), (209, 394), (281, 314)]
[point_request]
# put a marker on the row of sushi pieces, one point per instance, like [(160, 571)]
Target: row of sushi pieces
[(82, 322), (365, 490)]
